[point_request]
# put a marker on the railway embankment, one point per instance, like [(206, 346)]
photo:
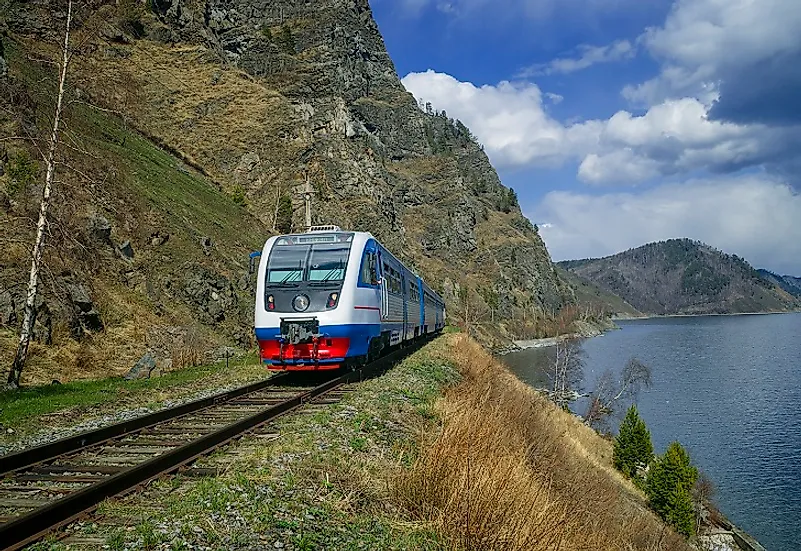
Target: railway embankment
[(447, 450), (35, 415)]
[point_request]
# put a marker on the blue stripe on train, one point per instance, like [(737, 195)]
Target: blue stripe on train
[(359, 335)]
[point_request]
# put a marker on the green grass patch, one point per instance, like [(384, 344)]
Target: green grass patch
[(191, 201), (18, 407)]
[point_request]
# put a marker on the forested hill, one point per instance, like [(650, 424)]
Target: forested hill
[(681, 276)]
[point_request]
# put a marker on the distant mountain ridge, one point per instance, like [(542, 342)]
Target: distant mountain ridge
[(682, 276), (791, 284)]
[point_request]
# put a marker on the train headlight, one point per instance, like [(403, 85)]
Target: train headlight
[(300, 303), (332, 300), (271, 302)]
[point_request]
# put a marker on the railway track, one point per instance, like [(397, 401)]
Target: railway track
[(46, 487)]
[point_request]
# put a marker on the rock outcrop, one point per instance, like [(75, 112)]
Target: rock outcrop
[(417, 180)]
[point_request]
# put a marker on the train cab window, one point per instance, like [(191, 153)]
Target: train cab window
[(328, 264), (369, 273), (287, 264)]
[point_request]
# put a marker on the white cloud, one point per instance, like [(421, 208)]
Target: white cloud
[(670, 138), (704, 42), (587, 56), (555, 98), (509, 119), (754, 216), (504, 10)]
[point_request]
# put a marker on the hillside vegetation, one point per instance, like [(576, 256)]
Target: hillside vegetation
[(188, 125), (788, 283), (591, 296), (510, 471), (681, 276)]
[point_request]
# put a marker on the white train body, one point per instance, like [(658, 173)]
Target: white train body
[(328, 299)]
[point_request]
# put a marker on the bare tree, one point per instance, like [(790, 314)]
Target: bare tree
[(474, 309), (566, 372), (29, 318), (611, 390), (703, 494)]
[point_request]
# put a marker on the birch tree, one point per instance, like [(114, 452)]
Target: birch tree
[(611, 391), (566, 372), (29, 318)]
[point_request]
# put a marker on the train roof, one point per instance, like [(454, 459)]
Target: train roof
[(320, 234)]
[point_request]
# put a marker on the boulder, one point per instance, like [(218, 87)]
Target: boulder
[(158, 238), (210, 294), (113, 34), (79, 296), (126, 250), (248, 162), (43, 325), (143, 368), (100, 228), (88, 318), (206, 243)]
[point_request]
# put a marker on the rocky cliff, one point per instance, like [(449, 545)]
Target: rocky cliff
[(190, 122), (681, 276)]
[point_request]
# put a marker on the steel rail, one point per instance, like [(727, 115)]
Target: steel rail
[(30, 527), (30, 457)]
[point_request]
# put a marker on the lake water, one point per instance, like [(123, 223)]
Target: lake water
[(729, 389)]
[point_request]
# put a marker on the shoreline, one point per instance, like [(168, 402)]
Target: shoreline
[(591, 330), (586, 330), (659, 316)]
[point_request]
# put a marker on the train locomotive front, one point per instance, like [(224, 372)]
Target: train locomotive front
[(328, 299)]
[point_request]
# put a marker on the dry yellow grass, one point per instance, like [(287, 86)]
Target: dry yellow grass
[(510, 471)]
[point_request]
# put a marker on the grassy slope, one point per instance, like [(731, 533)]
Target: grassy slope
[(400, 465), (141, 189)]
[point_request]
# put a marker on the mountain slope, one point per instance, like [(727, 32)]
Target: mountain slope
[(194, 120), (790, 284), (591, 296), (680, 276)]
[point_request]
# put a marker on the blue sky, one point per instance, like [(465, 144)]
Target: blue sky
[(620, 122)]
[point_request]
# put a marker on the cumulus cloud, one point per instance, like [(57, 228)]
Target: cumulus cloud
[(671, 138), (754, 216), (586, 56), (511, 9), (743, 56), (509, 119)]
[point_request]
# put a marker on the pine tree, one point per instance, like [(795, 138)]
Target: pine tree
[(633, 448), (668, 486), (681, 514)]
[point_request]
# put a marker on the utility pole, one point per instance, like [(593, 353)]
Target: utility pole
[(306, 192)]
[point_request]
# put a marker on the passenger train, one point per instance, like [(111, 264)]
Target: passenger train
[(328, 298)]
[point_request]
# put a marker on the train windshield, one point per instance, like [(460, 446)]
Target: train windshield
[(320, 262)]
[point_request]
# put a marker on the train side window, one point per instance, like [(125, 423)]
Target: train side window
[(369, 274)]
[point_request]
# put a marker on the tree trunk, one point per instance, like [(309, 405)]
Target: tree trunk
[(38, 246)]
